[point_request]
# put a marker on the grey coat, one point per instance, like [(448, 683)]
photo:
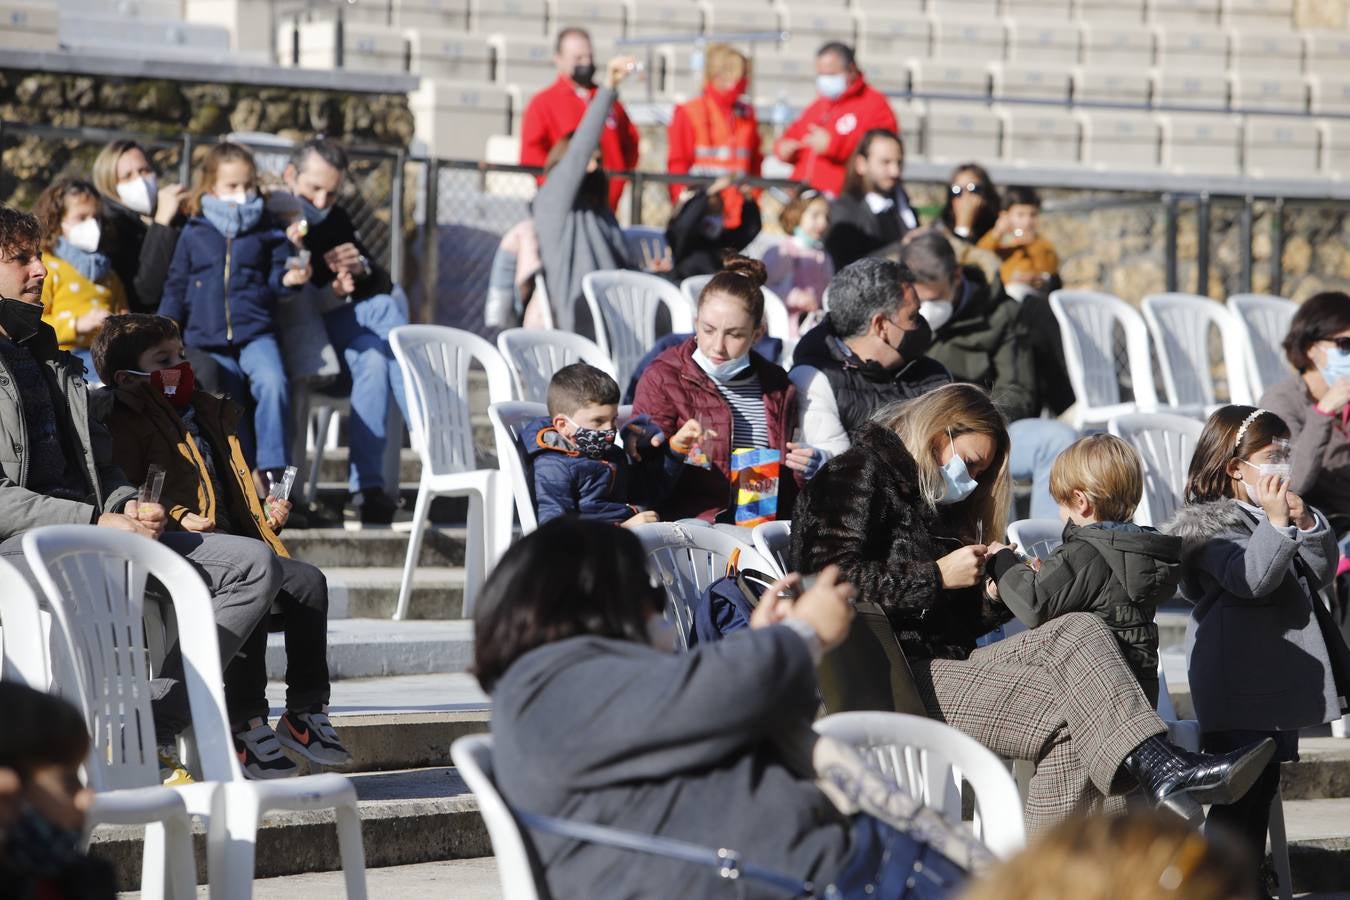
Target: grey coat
[(576, 237), (1257, 658), (1320, 463), (616, 733), (22, 510)]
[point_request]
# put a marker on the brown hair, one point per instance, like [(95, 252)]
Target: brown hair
[(1319, 317), (988, 214), (791, 216), (1141, 855), (210, 164), (853, 182), (741, 278), (1208, 478), (40, 730), (51, 206), (20, 232), (1106, 469), (579, 385), (124, 338), (105, 166)]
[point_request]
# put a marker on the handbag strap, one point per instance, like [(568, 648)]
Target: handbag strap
[(727, 862)]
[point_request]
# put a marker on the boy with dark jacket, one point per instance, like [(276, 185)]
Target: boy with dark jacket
[(156, 417), (1107, 565), (577, 469)]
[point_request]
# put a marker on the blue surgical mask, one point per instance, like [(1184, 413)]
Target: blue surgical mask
[(831, 87), (722, 372), (1337, 366), (313, 215), (232, 218), (957, 483), (806, 240)]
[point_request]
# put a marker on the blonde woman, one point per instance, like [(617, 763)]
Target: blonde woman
[(142, 218), (905, 514)]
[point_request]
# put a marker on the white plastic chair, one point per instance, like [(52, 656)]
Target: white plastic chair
[(472, 756), (1036, 537), (25, 631), (435, 362), (1165, 442), (775, 310), (1087, 323), (1262, 323), (1180, 325), (95, 580), (623, 307), (687, 560), (930, 759), (773, 540), (508, 420), (534, 355)]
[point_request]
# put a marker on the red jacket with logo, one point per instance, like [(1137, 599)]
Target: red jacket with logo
[(556, 111), (854, 113)]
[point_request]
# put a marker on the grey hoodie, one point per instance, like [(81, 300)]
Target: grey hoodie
[(1257, 658)]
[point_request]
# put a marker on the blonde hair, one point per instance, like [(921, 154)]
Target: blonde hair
[(722, 59), (924, 425), (1106, 469), (1142, 855), (105, 166)]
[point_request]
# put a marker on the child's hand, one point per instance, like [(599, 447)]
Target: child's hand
[(296, 277), (994, 547), (691, 433), (991, 588), (199, 524), (296, 231), (91, 322), (646, 517), (344, 284), (1298, 512), (1275, 499)]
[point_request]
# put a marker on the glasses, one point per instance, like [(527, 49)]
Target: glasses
[(1342, 343), (970, 187)]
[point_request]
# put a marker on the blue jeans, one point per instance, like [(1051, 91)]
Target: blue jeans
[(360, 332), (1035, 444), (883, 862), (256, 370)]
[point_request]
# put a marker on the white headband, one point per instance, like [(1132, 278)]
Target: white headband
[(1246, 423)]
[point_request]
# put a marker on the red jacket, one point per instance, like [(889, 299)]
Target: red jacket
[(857, 111), (556, 111), (674, 390), (738, 132)]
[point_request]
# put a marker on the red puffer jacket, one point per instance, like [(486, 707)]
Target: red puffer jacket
[(674, 390)]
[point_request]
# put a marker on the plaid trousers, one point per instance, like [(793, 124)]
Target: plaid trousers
[(1059, 695)]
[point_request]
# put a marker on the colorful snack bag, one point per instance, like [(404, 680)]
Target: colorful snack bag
[(754, 484)]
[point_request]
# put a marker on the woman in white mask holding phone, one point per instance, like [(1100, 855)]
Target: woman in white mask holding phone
[(142, 219), (905, 514)]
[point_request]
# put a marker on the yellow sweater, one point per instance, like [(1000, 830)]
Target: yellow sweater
[(67, 295)]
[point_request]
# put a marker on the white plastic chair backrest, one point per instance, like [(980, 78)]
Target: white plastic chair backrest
[(775, 310), (95, 581), (1166, 443), (930, 759), (534, 355), (472, 756), (643, 243), (546, 307), (1263, 321), (1180, 325), (435, 362), (1166, 710), (773, 540), (623, 307), (508, 420), (1087, 323), (693, 286), (25, 631), (1036, 537), (687, 560)]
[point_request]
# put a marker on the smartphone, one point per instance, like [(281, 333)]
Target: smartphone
[(801, 587)]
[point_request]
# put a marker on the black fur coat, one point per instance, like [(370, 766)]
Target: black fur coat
[(863, 513)]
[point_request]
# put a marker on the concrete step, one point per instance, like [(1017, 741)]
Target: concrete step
[(336, 459), (372, 648), (416, 816), (372, 593), (460, 879), (376, 546), (394, 741), (1319, 843), (409, 694)]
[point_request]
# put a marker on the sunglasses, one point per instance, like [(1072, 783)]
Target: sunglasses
[(1342, 343), (970, 187)]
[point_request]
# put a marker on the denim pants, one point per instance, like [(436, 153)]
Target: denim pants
[(884, 862), (303, 599), (1035, 444), (360, 332), (255, 370)]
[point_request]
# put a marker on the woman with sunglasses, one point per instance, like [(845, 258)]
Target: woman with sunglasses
[(972, 204), (1315, 404)]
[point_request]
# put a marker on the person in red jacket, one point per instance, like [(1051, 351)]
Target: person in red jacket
[(822, 139), (716, 133), (556, 111), (740, 399)]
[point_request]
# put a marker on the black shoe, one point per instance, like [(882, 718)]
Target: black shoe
[(309, 515), (1181, 780), (377, 508)]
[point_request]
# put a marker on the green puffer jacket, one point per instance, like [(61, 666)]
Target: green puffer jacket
[(1117, 571), (985, 343)]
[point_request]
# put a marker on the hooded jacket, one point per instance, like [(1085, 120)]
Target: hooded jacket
[(1118, 571), (856, 111), (610, 489), (1258, 658), (863, 512)]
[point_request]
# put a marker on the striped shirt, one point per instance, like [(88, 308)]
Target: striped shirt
[(745, 396)]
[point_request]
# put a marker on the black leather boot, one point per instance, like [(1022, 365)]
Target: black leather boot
[(1182, 780)]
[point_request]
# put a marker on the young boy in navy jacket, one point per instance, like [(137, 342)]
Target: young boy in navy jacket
[(579, 470)]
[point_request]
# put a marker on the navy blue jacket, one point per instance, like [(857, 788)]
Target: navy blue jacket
[(211, 316), (608, 489)]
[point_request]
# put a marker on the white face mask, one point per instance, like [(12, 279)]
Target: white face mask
[(84, 236), (831, 87), (139, 194), (936, 312), (239, 198), (723, 371), (1262, 471)]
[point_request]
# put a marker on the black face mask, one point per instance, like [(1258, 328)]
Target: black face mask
[(595, 187), (584, 74), (20, 320), (917, 342)]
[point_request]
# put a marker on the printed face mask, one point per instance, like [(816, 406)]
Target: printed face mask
[(176, 383), (957, 483), (593, 442)]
